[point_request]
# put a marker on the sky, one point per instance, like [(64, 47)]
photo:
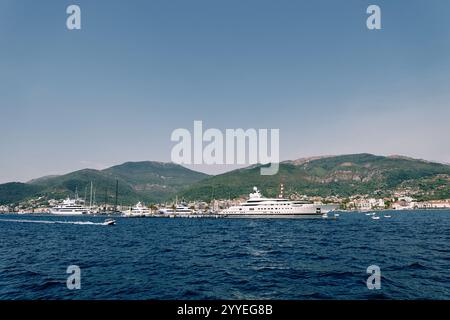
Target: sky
[(115, 90)]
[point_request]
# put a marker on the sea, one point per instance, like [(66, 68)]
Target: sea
[(181, 258)]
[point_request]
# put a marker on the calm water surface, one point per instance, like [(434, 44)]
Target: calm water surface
[(157, 258)]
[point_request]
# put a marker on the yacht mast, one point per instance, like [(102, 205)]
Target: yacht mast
[(90, 197), (117, 194), (106, 197)]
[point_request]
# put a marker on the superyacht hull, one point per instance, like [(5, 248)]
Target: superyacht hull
[(294, 211), (271, 216), (68, 213)]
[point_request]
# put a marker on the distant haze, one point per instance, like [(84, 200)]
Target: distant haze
[(116, 89)]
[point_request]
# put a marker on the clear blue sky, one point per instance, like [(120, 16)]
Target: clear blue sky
[(115, 90)]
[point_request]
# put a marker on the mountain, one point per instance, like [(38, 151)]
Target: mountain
[(343, 176), (16, 191), (156, 181), (42, 179), (148, 181), (138, 181)]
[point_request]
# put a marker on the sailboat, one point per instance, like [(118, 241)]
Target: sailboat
[(113, 210)]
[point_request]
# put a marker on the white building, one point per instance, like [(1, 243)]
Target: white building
[(406, 199), (368, 204)]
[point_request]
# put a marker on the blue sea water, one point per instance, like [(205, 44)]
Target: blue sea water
[(157, 258)]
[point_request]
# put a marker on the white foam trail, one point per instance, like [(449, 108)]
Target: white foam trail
[(55, 222)]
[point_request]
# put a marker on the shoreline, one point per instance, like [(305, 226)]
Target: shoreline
[(212, 216)]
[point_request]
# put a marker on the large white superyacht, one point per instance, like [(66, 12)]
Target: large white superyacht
[(258, 206), (70, 207)]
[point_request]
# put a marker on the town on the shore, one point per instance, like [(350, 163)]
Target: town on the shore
[(398, 201)]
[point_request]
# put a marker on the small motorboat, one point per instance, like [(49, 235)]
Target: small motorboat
[(387, 216), (109, 222), (376, 218)]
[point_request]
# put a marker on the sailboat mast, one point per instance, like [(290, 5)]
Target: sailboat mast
[(106, 197), (117, 195), (213, 199), (90, 197)]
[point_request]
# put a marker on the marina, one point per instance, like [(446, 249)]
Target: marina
[(256, 206)]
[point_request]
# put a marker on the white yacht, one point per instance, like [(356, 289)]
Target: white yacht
[(258, 206), (70, 207), (181, 209), (139, 210)]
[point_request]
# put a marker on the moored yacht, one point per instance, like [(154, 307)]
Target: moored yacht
[(258, 206), (70, 207), (139, 210), (181, 209)]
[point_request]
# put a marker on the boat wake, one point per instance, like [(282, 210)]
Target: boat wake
[(55, 222)]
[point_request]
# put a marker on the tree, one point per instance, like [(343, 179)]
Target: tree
[(153, 208)]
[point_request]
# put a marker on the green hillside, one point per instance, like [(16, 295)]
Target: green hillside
[(151, 182), (342, 176), (138, 181), (16, 191), (154, 180)]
